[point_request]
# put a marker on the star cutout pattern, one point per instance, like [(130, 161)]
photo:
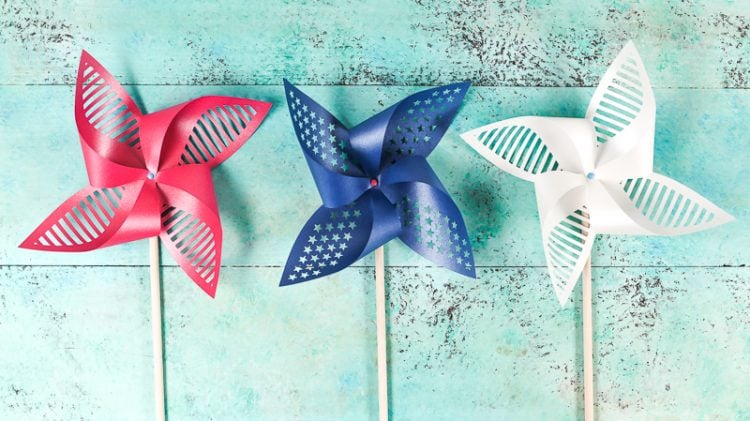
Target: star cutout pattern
[(321, 135), (329, 241), (437, 233), (420, 122)]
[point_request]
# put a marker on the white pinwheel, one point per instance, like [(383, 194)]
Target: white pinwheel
[(594, 174)]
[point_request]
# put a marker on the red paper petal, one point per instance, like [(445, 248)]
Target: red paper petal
[(191, 231), (87, 220), (107, 118), (210, 129)]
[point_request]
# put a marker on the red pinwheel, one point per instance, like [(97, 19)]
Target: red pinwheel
[(149, 174)]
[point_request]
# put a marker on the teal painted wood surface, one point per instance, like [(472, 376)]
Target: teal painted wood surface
[(529, 43), (672, 330), (496, 348)]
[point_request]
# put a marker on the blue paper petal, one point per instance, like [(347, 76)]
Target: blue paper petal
[(336, 189), (433, 226), (409, 169), (330, 241), (420, 121), (322, 136), (386, 222)]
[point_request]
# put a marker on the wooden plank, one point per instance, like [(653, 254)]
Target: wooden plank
[(76, 343), (668, 342), (698, 139), (384, 42)]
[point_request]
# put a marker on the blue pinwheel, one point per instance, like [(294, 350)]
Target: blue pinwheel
[(376, 185)]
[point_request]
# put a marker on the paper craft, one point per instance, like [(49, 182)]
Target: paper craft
[(376, 185), (149, 174), (594, 174)]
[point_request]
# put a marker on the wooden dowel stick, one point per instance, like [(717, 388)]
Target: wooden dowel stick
[(588, 354), (380, 316), (156, 335)]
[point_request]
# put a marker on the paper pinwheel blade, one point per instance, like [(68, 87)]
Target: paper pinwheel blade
[(209, 130), (107, 118), (330, 241), (433, 227), (518, 146), (659, 205), (87, 220)]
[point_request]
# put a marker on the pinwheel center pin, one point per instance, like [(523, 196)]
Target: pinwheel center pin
[(590, 175), (150, 175), (374, 182)]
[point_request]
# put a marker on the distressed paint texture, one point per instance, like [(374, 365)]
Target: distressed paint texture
[(496, 348), (414, 42), (671, 315)]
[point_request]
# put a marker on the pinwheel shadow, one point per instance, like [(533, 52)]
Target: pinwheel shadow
[(235, 215), (133, 90), (476, 195)]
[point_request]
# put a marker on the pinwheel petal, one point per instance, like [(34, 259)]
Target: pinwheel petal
[(108, 120), (662, 206), (92, 218), (208, 130), (623, 111), (567, 239), (433, 226), (419, 121), (321, 135), (331, 240), (191, 232), (527, 146), (336, 189)]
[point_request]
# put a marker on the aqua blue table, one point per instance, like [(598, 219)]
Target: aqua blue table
[(672, 315)]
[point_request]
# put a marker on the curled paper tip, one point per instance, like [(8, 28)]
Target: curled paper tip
[(86, 57), (376, 185), (265, 107), (211, 290), (630, 45)]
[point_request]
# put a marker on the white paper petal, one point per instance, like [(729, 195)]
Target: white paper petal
[(567, 239), (660, 205), (623, 112), (529, 146)]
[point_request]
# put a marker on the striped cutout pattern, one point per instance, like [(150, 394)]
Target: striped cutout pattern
[(194, 240), (565, 246), (519, 146), (85, 222), (622, 100), (215, 131), (664, 205), (105, 107)]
